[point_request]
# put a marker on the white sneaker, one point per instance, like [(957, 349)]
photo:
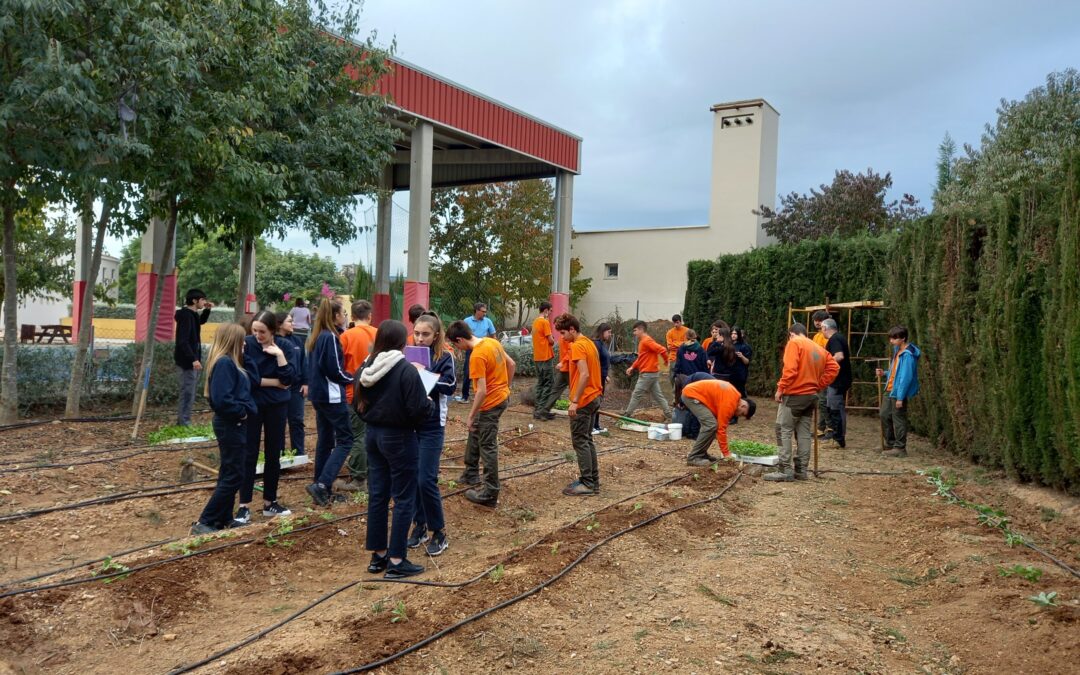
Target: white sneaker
[(597, 432)]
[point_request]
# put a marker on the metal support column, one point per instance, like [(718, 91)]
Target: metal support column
[(383, 232), (564, 213), (416, 280)]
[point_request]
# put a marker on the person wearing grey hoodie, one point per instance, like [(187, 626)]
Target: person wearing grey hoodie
[(390, 397)]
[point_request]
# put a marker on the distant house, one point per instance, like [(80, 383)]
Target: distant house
[(49, 310), (642, 272)]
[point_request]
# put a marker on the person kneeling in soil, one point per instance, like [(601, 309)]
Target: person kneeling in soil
[(492, 371), (427, 332), (228, 389), (714, 402), (328, 383), (391, 399), (586, 388)]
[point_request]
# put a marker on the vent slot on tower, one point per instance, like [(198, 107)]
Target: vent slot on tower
[(740, 120)]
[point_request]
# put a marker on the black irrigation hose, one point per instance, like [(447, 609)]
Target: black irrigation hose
[(80, 580), (449, 629), (1060, 563), (75, 566), (849, 472), (107, 418)]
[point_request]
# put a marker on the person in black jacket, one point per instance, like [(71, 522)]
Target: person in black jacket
[(601, 338), (264, 358), (228, 388), (428, 332), (188, 351), (328, 380), (392, 400), (298, 390)]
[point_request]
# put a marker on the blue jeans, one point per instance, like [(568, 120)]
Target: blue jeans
[(188, 378), (296, 421), (335, 440), (232, 447), (392, 460), (429, 511)]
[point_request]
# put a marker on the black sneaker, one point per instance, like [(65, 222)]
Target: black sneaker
[(338, 498), (482, 497), (468, 479), (402, 569), (234, 523), (419, 536), (243, 515), (199, 527), (438, 543), (275, 509), (378, 563), (319, 494)]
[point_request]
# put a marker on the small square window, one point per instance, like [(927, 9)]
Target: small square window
[(611, 270)]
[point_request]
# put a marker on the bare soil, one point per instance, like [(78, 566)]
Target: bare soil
[(846, 572)]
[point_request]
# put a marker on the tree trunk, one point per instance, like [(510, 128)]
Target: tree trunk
[(9, 398), (78, 370), (245, 273), (155, 308)]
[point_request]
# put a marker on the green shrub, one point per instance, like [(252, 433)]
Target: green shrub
[(127, 311)]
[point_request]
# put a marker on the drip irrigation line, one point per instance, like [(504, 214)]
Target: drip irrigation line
[(75, 566), (1060, 563), (851, 472), (470, 619), (106, 418)]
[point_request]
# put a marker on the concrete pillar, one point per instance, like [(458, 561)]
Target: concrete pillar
[(383, 232), (416, 279), (148, 276), (560, 269), (84, 249)]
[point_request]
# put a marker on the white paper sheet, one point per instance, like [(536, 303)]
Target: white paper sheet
[(429, 379)]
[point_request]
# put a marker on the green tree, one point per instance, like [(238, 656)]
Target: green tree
[(579, 285), (853, 204), (43, 248), (298, 274), (945, 174)]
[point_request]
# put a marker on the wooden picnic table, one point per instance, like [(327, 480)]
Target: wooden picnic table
[(53, 331)]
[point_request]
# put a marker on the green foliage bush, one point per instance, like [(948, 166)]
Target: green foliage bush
[(127, 311), (990, 296)]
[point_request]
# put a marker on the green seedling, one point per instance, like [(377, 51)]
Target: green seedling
[(637, 507), (1026, 572), (1044, 599), (1047, 514), (497, 574), (714, 596), (188, 546), (362, 497), (593, 526), (451, 484), (398, 614), (176, 432), (751, 448), (378, 607), (326, 516), (695, 476), (715, 468), (555, 548), (569, 456), (110, 566)]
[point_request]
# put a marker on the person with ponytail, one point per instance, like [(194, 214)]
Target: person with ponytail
[(264, 358), (428, 332), (392, 400), (228, 389), (328, 382), (298, 389)]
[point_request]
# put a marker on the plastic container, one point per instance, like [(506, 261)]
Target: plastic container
[(655, 431), (675, 431)]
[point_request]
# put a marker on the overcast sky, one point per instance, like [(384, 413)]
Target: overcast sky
[(857, 84)]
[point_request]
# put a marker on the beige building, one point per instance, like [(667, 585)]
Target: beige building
[(642, 272)]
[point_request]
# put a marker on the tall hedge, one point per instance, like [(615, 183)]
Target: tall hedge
[(992, 298)]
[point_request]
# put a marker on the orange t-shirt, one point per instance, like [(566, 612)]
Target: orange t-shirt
[(675, 337), (564, 354), (649, 353), (808, 368), (820, 340), (541, 331), (706, 343), (488, 362), (584, 348), (356, 343), (721, 398)]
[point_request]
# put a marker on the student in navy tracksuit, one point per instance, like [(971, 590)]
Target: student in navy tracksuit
[(428, 332), (328, 380), (264, 358), (601, 338), (392, 400), (228, 388), (299, 388)]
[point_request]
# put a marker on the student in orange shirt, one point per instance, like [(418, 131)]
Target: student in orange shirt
[(714, 403), (808, 368), (356, 344), (562, 379), (648, 366), (492, 372), (543, 354), (675, 337), (586, 388)]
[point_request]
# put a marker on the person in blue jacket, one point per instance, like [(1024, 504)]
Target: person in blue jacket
[(901, 385), (299, 388), (228, 389), (601, 338), (327, 381), (392, 400), (428, 332), (264, 358)]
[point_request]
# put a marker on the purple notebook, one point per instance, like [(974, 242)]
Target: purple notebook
[(421, 355)]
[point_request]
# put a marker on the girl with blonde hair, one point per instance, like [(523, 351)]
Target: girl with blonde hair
[(228, 388), (326, 390)]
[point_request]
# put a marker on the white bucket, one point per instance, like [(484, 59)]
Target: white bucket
[(655, 431), (675, 430)]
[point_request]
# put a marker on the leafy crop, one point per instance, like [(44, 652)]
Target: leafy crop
[(398, 614), (562, 404), (496, 575), (1026, 572), (177, 432), (1044, 599), (751, 448), (110, 566)]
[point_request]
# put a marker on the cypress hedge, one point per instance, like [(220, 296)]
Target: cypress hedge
[(992, 298)]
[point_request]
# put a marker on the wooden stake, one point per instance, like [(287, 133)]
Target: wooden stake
[(142, 400), (815, 441), (881, 430)]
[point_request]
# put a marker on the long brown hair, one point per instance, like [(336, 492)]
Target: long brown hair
[(228, 344), (324, 320), (438, 345)]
